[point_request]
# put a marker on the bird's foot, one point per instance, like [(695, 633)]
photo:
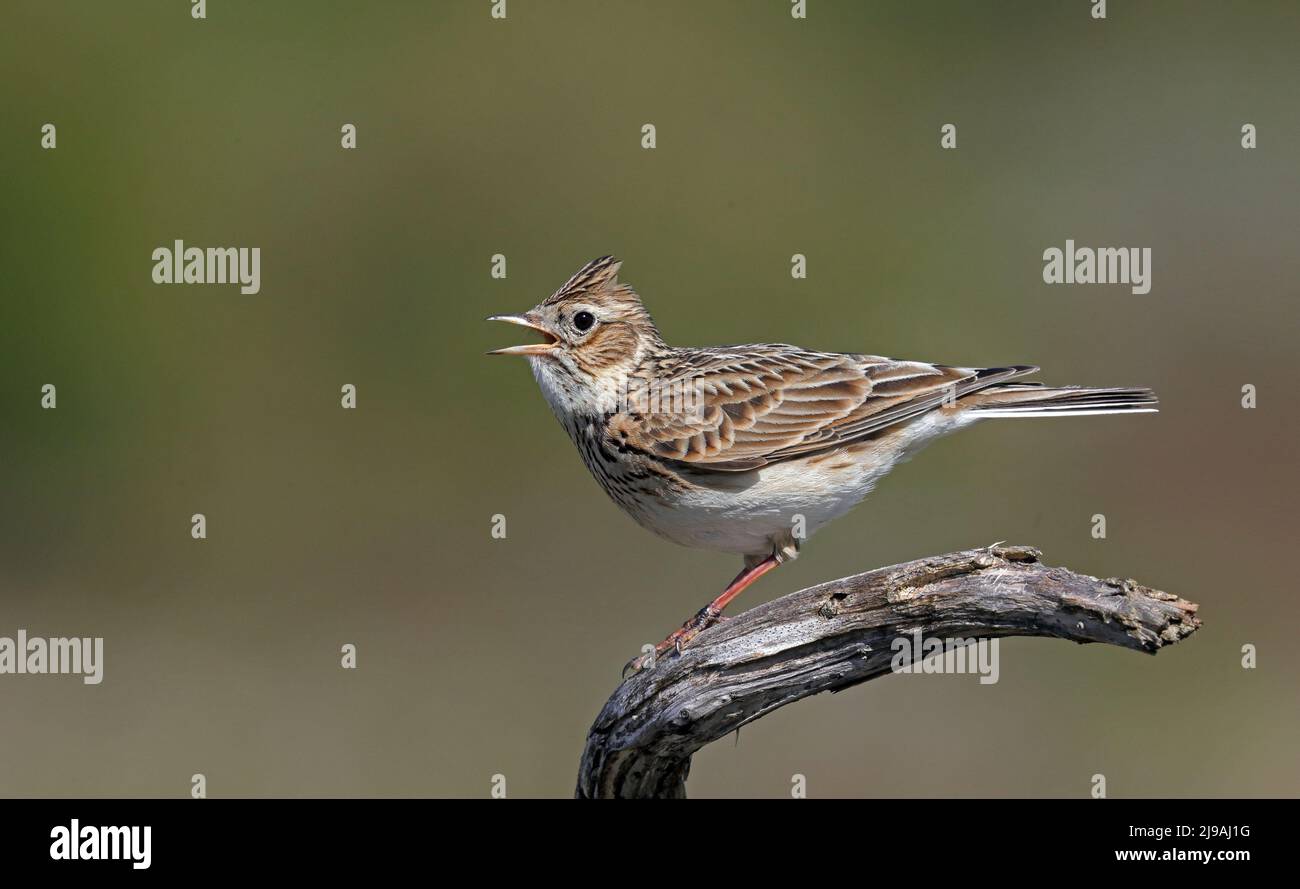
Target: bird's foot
[(677, 640)]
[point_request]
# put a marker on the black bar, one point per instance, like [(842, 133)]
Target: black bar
[(336, 837)]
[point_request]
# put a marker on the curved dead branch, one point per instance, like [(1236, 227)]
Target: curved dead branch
[(837, 634)]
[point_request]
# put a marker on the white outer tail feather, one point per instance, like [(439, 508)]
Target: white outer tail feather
[(1065, 412), (1035, 401)]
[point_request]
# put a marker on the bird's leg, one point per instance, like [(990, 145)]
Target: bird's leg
[(712, 613), (706, 617)]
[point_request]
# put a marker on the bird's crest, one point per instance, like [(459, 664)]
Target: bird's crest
[(594, 277)]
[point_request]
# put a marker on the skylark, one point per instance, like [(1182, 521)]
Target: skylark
[(750, 449)]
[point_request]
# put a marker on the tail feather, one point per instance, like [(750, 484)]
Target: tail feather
[(1021, 400)]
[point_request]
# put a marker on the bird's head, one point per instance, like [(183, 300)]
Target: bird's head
[(595, 332)]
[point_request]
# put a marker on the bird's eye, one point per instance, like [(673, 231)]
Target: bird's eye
[(584, 320)]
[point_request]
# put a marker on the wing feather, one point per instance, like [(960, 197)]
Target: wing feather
[(754, 405)]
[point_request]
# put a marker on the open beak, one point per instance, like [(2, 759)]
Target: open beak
[(531, 348)]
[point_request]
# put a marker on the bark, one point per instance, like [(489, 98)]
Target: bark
[(838, 634)]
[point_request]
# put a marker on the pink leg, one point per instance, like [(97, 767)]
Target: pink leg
[(706, 617)]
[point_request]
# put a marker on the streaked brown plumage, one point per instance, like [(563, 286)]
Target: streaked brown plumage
[(739, 448)]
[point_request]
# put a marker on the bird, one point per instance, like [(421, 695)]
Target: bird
[(750, 449)]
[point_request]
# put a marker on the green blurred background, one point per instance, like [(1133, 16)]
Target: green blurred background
[(522, 137)]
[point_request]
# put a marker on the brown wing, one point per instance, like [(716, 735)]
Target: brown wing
[(744, 407)]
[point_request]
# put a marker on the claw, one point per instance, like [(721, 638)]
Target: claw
[(676, 642), (639, 663)]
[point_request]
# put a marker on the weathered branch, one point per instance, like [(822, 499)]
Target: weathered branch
[(837, 634)]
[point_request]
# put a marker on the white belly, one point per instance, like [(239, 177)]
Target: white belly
[(754, 513)]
